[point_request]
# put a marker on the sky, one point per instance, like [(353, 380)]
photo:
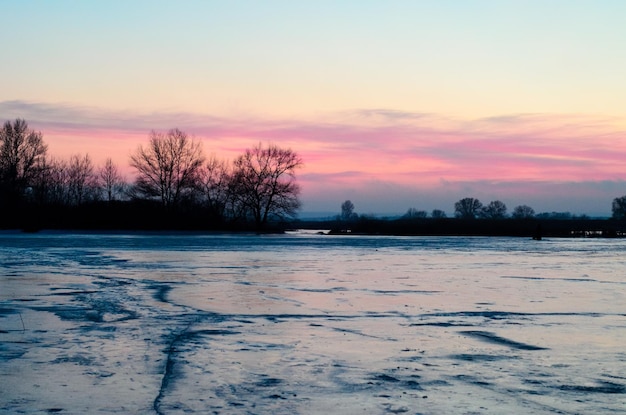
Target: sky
[(391, 104)]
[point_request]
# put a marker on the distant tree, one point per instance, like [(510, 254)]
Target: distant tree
[(168, 167), (619, 208), (22, 151), (214, 186), (438, 214), (81, 181), (110, 180), (494, 210), (523, 212), (51, 184), (263, 184), (467, 208), (347, 211), (554, 215), (40, 184), (413, 213)]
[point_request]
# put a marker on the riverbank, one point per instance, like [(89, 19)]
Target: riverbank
[(531, 228)]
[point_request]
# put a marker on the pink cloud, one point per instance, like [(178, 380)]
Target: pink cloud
[(353, 149)]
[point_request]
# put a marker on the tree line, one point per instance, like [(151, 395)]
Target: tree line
[(174, 179), (472, 208), (176, 186), (472, 218)]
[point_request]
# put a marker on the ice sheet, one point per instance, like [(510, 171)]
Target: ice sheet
[(310, 324)]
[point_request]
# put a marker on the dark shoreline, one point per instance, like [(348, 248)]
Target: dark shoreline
[(146, 216), (530, 228), (527, 228)]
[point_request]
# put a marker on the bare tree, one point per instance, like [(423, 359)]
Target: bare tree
[(494, 210), (81, 181), (111, 181), (263, 183), (21, 153), (438, 214), (214, 179), (51, 185), (168, 168), (523, 212), (467, 208)]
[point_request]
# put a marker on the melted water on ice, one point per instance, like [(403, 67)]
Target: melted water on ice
[(310, 324)]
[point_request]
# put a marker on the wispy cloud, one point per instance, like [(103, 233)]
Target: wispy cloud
[(353, 148)]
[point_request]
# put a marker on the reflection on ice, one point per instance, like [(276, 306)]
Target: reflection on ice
[(172, 324)]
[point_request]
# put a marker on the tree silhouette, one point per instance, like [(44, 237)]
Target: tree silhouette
[(494, 210), (214, 187), (110, 180), (554, 215), (467, 208), (22, 151), (619, 208), (81, 181), (263, 184), (51, 184), (347, 211), (438, 214), (523, 212), (168, 167), (413, 213)]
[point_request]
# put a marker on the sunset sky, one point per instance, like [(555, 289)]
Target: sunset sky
[(391, 104)]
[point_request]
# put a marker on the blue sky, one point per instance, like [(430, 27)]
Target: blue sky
[(394, 104)]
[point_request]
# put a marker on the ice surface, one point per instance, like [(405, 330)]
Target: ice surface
[(310, 324)]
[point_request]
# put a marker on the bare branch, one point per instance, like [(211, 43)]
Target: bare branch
[(169, 167)]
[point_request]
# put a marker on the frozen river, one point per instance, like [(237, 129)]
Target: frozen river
[(310, 324)]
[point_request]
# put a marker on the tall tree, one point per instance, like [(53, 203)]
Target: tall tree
[(619, 207), (264, 184), (22, 151), (51, 185), (467, 208), (81, 181), (111, 181), (214, 186), (168, 167), (347, 211)]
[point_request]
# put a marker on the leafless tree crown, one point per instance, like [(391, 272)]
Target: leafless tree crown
[(168, 167), (110, 180), (264, 185), (22, 151)]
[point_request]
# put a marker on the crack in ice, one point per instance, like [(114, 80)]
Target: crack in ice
[(169, 366)]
